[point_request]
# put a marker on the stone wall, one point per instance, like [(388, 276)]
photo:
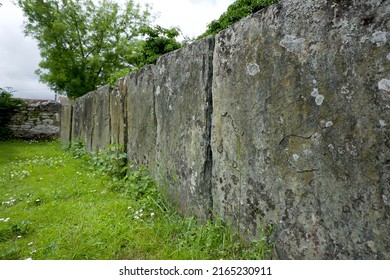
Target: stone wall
[(300, 127), (66, 119), (37, 120), (282, 119)]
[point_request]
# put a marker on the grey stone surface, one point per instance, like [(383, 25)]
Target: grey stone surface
[(85, 110), (37, 120), (183, 108), (101, 124), (83, 119), (77, 128), (283, 120), (300, 133), (118, 114), (66, 123), (141, 124)]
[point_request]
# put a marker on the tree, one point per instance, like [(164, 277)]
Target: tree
[(236, 11), (83, 43), (7, 109), (158, 41), (155, 42)]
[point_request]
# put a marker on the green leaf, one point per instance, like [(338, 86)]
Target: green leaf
[(82, 42)]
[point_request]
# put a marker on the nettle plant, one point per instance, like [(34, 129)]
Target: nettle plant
[(129, 179), (135, 181), (147, 210), (77, 149), (110, 162)]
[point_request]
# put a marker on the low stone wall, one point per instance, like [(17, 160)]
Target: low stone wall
[(37, 119)]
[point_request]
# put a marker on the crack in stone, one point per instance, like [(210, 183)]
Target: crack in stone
[(307, 170), (284, 141), (208, 165)]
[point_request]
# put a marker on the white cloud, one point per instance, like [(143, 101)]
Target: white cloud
[(192, 16), (19, 55)]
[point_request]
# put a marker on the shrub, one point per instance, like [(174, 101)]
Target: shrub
[(7, 109), (110, 162), (236, 11), (77, 149)]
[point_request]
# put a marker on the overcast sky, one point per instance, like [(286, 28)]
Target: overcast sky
[(19, 55)]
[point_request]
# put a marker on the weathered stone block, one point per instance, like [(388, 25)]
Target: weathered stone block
[(66, 123), (141, 126), (300, 128), (118, 115), (77, 127), (83, 120), (101, 123), (183, 108)]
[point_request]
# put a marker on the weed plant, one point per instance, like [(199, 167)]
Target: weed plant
[(57, 204)]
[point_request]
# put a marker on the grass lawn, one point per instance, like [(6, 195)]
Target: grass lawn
[(55, 206)]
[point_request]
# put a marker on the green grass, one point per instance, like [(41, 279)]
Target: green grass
[(55, 206)]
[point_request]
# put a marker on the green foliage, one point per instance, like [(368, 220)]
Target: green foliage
[(156, 42), (138, 183), (236, 11), (261, 247), (114, 77), (77, 149), (13, 230), (110, 162), (82, 42), (53, 206), (7, 109)]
